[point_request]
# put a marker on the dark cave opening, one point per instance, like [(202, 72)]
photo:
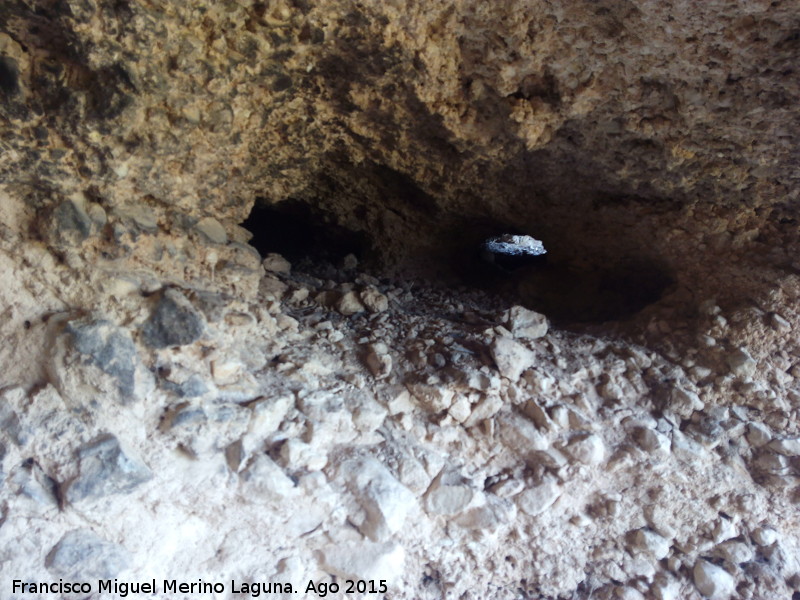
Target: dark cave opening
[(301, 235), (571, 291)]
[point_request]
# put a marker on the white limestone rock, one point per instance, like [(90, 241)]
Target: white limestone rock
[(734, 552), (712, 581), (649, 543), (264, 480), (785, 446), (374, 300), (511, 357), (385, 501), (436, 398), (448, 495), (526, 324), (741, 364), (537, 499), (684, 402), (587, 448), (349, 304), (364, 560), (764, 536)]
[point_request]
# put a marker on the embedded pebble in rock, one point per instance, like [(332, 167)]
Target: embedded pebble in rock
[(9, 420), (765, 536), (666, 589), (758, 434), (174, 322), (105, 468), (71, 223), (734, 552), (32, 482), (212, 230), (779, 323), (650, 543), (511, 357), (741, 363), (526, 324), (109, 348), (82, 555), (275, 263), (685, 402), (140, 215), (587, 448), (448, 499), (712, 581), (651, 440)]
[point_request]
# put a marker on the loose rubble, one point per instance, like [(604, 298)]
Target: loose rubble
[(381, 432)]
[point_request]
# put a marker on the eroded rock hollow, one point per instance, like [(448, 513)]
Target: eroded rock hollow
[(254, 342)]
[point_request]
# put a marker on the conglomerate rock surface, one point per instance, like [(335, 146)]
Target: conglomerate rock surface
[(178, 401)]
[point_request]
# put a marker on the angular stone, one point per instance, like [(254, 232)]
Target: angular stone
[(32, 482), (141, 215), (651, 440), (105, 469), (712, 581), (82, 555), (364, 560), (587, 448), (786, 446), (275, 263), (520, 434), (212, 230), (174, 322), (9, 420), (71, 224), (449, 499), (433, 397), (193, 387), (386, 502), (108, 347), (264, 477), (741, 363), (650, 543), (349, 304), (511, 357), (684, 402), (487, 517), (269, 412), (526, 324), (535, 500), (734, 552), (764, 536), (758, 434), (485, 409), (374, 300)]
